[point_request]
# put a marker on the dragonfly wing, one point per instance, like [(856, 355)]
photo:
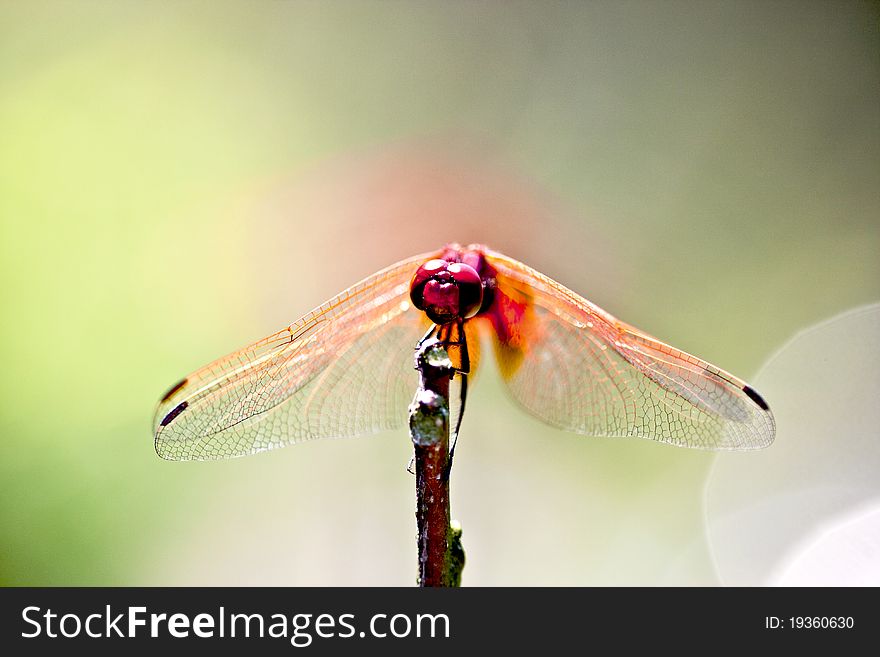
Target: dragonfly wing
[(344, 369), (574, 366)]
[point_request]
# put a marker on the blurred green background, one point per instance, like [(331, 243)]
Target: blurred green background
[(179, 179)]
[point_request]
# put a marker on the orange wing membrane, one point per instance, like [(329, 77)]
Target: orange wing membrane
[(576, 367), (344, 369)]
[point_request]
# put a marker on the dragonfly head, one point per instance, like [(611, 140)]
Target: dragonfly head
[(447, 289)]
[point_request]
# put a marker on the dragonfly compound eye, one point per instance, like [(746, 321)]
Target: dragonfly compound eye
[(447, 291)]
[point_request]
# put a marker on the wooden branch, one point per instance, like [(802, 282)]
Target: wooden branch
[(441, 556)]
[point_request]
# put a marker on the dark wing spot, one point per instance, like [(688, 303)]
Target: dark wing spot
[(177, 386), (168, 419), (755, 397)]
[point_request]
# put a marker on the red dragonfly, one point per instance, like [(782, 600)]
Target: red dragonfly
[(346, 368)]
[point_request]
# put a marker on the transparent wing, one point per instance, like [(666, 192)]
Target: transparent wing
[(344, 369), (574, 366)]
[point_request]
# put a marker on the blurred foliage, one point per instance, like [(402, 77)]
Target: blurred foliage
[(707, 171)]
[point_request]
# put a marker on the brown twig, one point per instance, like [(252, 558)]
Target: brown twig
[(441, 556)]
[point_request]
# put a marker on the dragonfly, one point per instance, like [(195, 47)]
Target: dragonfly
[(346, 368)]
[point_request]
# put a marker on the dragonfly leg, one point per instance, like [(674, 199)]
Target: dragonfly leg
[(462, 342), (430, 334), (462, 396)]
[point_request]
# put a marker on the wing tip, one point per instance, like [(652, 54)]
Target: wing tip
[(752, 394), (177, 386), (161, 446), (173, 413), (769, 435), (163, 454)]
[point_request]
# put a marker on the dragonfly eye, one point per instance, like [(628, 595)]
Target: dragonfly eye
[(447, 291)]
